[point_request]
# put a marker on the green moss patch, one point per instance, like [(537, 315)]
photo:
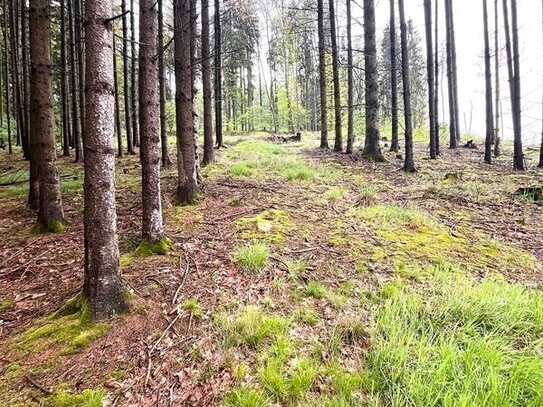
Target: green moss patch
[(87, 398), (70, 329), (5, 304), (54, 226), (270, 225), (147, 249)]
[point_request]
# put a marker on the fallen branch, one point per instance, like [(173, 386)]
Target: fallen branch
[(38, 385)]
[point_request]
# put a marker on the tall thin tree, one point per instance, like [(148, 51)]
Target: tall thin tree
[(540, 165), (184, 107), (152, 225), (103, 286), (206, 84), (322, 75), (117, 101), (453, 131), (166, 160), (350, 82), (218, 74), (372, 149), (430, 76), (63, 82), (50, 214), (409, 163), (497, 90), (133, 77), (126, 81), (394, 144), (488, 89), (338, 141)]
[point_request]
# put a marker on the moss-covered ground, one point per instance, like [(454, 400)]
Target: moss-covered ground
[(300, 277)]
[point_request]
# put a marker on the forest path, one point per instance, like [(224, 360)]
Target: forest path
[(296, 280)]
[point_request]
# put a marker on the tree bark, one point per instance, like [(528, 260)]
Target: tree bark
[(184, 108), (394, 145), (80, 46), (103, 286), (126, 81), (218, 75), (50, 213), (409, 163), (76, 118), (6, 83), (166, 161), (453, 131), (497, 135), (152, 225), (518, 162), (63, 84), (117, 102), (133, 78), (430, 76), (540, 165), (372, 149), (436, 77), (350, 83), (206, 82), (488, 89), (338, 141), (322, 75)]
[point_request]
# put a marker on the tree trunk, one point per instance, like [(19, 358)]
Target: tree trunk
[(488, 89), (103, 286), (372, 149), (394, 145), (540, 165), (453, 130), (454, 71), (133, 78), (436, 77), (322, 75), (63, 91), (152, 226), (194, 74), (184, 108), (430, 74), (206, 83), (166, 161), (50, 213), (350, 83), (80, 45), (6, 84), (497, 135), (117, 104), (409, 164), (25, 115), (338, 141), (518, 163), (218, 75), (76, 119), (126, 81)]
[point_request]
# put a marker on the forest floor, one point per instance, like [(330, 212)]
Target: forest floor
[(300, 278)]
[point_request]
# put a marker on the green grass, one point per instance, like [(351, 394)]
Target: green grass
[(70, 329), (242, 169), (193, 307), (246, 397), (251, 327), (87, 398), (393, 216), (5, 304), (315, 289), (298, 172), (458, 343), (252, 257), (336, 193)]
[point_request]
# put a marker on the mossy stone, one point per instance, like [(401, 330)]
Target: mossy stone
[(147, 249)]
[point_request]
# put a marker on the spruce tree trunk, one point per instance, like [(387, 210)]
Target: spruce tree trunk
[(436, 77), (338, 141), (409, 163), (194, 74), (497, 135), (152, 226), (206, 83), (63, 84), (126, 81), (25, 80), (394, 145), (218, 75), (430, 77), (80, 46), (133, 78), (350, 83), (372, 148), (518, 163), (74, 83), (184, 108), (322, 75), (103, 286), (453, 140), (454, 71), (117, 105), (50, 213), (6, 84), (540, 165), (488, 89), (166, 161)]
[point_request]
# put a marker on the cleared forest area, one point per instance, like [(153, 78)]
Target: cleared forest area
[(299, 278)]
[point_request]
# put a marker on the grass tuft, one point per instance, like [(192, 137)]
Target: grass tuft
[(193, 307), (315, 289), (246, 397), (87, 398), (252, 257)]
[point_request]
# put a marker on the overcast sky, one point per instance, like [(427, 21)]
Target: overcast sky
[(469, 41)]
